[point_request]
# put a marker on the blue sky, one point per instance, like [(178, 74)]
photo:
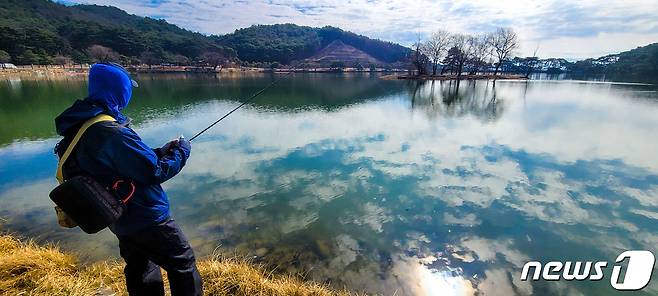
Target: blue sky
[(572, 29)]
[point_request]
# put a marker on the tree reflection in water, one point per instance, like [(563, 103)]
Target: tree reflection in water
[(457, 99)]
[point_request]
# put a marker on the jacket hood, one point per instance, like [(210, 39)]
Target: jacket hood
[(110, 89), (109, 85)]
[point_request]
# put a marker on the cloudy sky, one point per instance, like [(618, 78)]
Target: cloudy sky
[(572, 29)]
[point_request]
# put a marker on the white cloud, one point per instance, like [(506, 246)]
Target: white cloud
[(566, 29)]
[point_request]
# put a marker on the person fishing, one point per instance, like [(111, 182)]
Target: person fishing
[(111, 153)]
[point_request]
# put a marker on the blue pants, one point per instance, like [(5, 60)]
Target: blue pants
[(162, 245)]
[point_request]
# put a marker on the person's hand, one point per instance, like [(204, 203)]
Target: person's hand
[(166, 149), (185, 145), (180, 143)]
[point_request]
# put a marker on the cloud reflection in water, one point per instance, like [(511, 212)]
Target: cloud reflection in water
[(428, 191)]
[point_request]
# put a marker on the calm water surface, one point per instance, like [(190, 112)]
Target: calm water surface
[(396, 187)]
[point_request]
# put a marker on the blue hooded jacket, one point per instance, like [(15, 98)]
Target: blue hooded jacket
[(111, 151)]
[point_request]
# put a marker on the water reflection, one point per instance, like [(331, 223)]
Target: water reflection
[(27, 112), (457, 99), (392, 187)]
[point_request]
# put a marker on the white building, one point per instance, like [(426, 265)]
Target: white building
[(7, 66)]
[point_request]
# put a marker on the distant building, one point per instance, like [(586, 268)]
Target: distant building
[(606, 60), (552, 64), (8, 66)]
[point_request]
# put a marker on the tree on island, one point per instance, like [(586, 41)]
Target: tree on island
[(464, 51), (436, 47), (530, 63), (450, 60), (419, 59), (503, 43), (480, 52)]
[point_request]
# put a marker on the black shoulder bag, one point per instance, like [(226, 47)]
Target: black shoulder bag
[(83, 201)]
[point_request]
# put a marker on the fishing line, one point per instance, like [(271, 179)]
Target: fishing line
[(239, 106)]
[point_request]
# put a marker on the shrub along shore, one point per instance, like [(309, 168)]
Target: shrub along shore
[(29, 269)]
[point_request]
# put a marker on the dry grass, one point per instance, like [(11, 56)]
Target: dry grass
[(29, 269)]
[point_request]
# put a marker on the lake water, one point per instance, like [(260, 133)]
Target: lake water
[(395, 187)]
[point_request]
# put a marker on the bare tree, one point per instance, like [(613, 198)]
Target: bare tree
[(463, 46), (436, 47), (214, 59), (151, 58), (480, 52), (503, 42), (99, 53), (419, 59), (531, 62), (62, 60)]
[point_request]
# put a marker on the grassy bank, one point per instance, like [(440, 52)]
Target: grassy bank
[(29, 269)]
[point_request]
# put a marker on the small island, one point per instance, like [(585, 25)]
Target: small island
[(455, 77), (456, 56)]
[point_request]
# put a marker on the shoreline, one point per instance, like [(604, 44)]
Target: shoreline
[(456, 77), (50, 71), (81, 71), (31, 269)]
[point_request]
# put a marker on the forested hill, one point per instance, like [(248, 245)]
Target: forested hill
[(288, 42), (639, 61), (38, 31), (35, 31)]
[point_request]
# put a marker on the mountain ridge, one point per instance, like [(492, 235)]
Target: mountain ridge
[(285, 43), (41, 31), (36, 31)]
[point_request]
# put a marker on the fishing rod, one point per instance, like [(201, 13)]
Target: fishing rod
[(239, 106)]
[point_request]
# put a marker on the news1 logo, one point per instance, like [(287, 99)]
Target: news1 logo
[(637, 276)]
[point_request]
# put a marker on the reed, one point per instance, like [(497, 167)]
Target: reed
[(30, 269)]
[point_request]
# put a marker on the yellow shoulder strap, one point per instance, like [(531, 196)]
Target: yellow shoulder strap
[(69, 149)]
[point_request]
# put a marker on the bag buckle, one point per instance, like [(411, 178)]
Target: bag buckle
[(116, 185)]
